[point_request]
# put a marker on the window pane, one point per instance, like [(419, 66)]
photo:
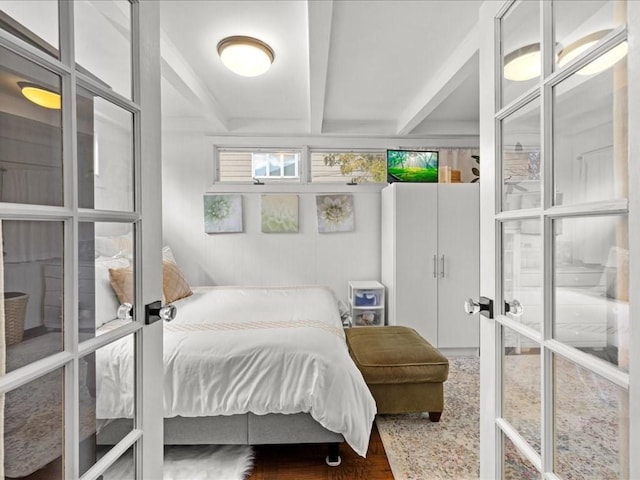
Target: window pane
[(520, 49), (521, 386), (591, 285), (31, 133), (343, 167), (515, 466), (105, 154), (590, 136), (521, 158), (106, 272), (35, 22), (522, 269), (107, 398), (33, 290), (580, 25), (275, 169), (34, 428), (590, 417), (103, 41)]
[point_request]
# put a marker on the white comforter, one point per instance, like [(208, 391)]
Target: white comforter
[(262, 350)]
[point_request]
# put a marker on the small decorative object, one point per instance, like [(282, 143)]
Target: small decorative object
[(279, 213), (335, 213), (222, 213)]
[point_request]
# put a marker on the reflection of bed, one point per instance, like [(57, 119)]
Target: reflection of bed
[(251, 366)]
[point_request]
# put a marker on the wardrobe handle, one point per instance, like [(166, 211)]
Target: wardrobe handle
[(435, 266), (442, 266)]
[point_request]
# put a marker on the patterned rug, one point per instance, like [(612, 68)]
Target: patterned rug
[(589, 414), (419, 449)]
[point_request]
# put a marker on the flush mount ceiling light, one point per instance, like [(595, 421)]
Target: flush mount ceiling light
[(523, 64), (246, 56), (599, 64), (40, 96)]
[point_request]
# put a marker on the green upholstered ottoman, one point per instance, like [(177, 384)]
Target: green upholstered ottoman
[(404, 372)]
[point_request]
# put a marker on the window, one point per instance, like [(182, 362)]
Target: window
[(275, 165), (238, 165), (350, 166)]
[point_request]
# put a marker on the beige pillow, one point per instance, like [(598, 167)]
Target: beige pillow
[(174, 285), (121, 280)]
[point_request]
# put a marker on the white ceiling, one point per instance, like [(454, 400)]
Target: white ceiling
[(373, 68)]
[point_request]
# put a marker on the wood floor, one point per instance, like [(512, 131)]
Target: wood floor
[(306, 462)]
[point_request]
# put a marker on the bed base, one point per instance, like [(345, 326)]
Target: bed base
[(245, 429)]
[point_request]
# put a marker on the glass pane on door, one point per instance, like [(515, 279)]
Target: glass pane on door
[(35, 22), (105, 154), (590, 136), (591, 286), (103, 42), (106, 399), (591, 415), (521, 158), (580, 25), (106, 272), (33, 290), (31, 126), (521, 405), (33, 417), (522, 269), (521, 63)]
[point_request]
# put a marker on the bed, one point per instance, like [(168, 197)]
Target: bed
[(247, 365)]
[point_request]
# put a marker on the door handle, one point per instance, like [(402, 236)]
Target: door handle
[(156, 311), (435, 266), (442, 266), (484, 306), (514, 307)]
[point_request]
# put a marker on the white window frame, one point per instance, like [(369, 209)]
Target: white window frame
[(281, 154)]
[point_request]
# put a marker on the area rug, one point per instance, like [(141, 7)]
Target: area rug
[(589, 412), (419, 449), (194, 462)]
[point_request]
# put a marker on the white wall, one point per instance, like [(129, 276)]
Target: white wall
[(252, 257)]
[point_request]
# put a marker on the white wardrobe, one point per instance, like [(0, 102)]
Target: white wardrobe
[(431, 259)]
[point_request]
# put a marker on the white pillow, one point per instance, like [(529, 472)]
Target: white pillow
[(106, 301), (106, 247)]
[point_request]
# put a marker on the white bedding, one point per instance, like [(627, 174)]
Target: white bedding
[(261, 350)]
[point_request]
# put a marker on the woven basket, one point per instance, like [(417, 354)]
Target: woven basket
[(15, 308)]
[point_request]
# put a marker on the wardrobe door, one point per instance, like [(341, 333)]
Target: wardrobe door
[(458, 264), (416, 288)]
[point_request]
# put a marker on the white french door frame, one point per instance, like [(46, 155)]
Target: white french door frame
[(491, 114), (147, 434)]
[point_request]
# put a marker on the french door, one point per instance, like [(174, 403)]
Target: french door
[(81, 238), (560, 240)]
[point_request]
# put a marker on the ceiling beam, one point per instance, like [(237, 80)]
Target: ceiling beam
[(320, 19), (176, 70), (458, 67)]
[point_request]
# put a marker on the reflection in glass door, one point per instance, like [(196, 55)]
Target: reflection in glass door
[(70, 223), (563, 236)]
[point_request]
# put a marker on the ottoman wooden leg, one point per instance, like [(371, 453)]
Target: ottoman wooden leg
[(435, 416)]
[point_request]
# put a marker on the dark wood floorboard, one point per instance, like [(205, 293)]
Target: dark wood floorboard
[(306, 462)]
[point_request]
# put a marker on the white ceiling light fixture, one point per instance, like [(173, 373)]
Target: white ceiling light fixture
[(246, 56), (523, 64), (601, 63)]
